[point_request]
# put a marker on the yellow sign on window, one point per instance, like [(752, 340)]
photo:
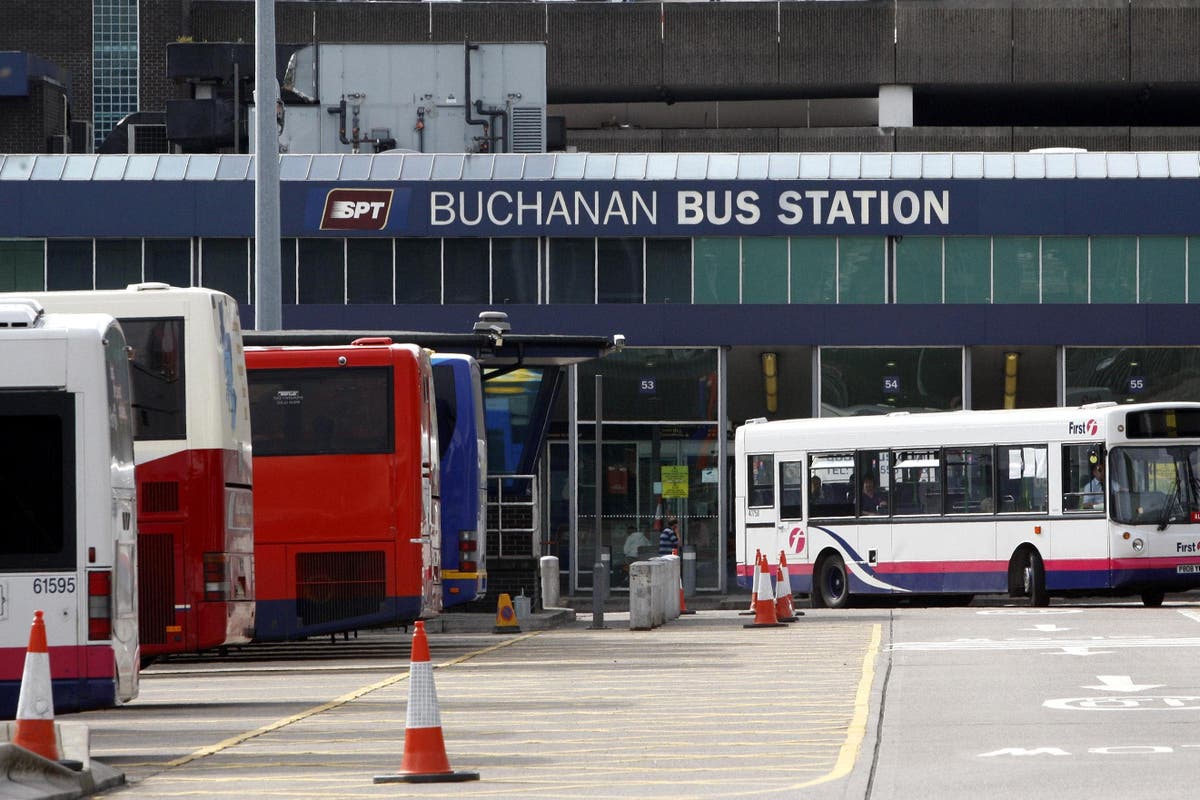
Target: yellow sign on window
[(674, 481)]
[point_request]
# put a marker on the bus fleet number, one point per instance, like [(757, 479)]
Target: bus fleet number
[(54, 585)]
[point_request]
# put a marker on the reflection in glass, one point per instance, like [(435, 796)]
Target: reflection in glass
[(857, 381)]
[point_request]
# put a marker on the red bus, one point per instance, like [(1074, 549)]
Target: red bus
[(347, 489), (191, 424)]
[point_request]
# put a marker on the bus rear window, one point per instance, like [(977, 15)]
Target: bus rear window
[(157, 370), (297, 412), (37, 478)]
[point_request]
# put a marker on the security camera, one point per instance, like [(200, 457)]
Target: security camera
[(618, 340)]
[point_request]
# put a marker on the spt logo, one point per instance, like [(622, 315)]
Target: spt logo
[(1090, 428), (356, 210)]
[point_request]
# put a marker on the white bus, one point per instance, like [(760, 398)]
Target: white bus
[(67, 515), (192, 446), (972, 502)]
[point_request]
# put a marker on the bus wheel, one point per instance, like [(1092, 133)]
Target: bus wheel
[(1152, 598), (833, 584), (1033, 579)]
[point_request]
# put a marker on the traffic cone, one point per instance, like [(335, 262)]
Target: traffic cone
[(506, 616), (753, 586), (424, 758), (785, 611), (35, 704), (764, 606), (683, 609)]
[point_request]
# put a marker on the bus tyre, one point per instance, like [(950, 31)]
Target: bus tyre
[(1153, 598), (833, 584), (1033, 574)]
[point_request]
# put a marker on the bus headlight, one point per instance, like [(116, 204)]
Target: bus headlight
[(1138, 544)]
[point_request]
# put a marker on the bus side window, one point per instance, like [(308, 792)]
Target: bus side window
[(761, 475), (1079, 493)]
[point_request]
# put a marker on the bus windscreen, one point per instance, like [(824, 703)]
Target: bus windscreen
[(342, 411)]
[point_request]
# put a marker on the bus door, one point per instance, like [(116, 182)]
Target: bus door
[(791, 526), (762, 515)]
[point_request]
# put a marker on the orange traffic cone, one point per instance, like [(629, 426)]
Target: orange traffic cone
[(683, 609), (424, 758), (753, 586), (784, 610), (506, 616), (35, 704), (764, 606)]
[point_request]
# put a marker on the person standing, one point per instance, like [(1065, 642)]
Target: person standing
[(668, 540)]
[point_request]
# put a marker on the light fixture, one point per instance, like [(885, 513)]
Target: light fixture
[(770, 381)]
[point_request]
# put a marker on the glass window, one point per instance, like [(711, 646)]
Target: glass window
[(760, 480), (878, 380), (118, 263), (1162, 269), (651, 384), (1016, 268), (225, 265), (38, 512), (861, 269), (1193, 269), (1129, 374), (1064, 269), (919, 269), (287, 269), (321, 271), (970, 481), (515, 270), (916, 483), (1083, 477), (831, 490), (169, 261), (466, 271), (159, 377), (764, 270), (369, 270), (791, 489), (619, 270), (717, 270), (22, 265), (68, 264), (668, 270), (321, 411), (1114, 269), (573, 270), (872, 482), (1021, 482), (814, 269), (418, 270), (968, 269)]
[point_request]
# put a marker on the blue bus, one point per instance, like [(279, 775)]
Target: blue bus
[(464, 462)]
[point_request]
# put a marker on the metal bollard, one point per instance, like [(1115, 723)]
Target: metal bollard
[(689, 570), (548, 565)]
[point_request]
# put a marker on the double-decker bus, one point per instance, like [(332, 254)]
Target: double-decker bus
[(67, 508), (969, 502), (462, 439), (191, 424), (347, 487)]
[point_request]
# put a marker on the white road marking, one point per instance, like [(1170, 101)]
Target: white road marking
[(1122, 683)]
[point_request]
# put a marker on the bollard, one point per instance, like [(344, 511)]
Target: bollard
[(549, 573), (641, 617), (689, 570)]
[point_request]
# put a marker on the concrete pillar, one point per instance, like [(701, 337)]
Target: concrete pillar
[(895, 106)]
